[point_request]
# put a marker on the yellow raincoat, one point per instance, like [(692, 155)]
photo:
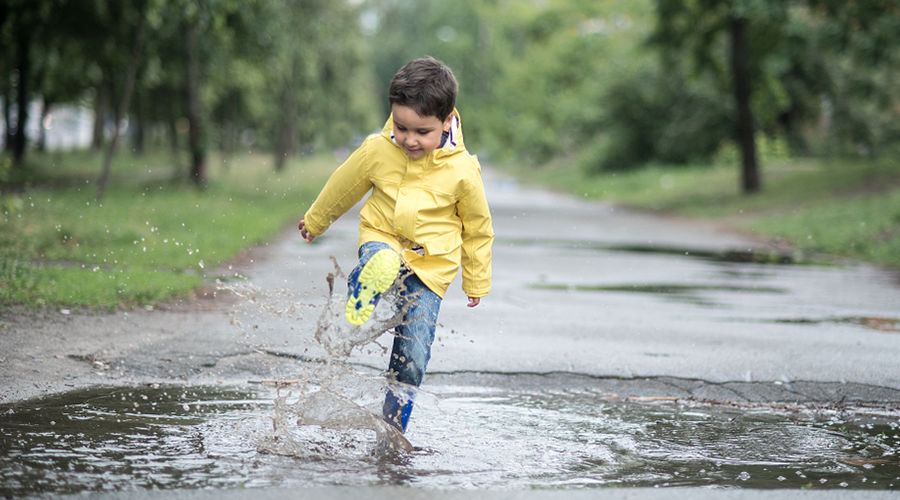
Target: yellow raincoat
[(437, 202)]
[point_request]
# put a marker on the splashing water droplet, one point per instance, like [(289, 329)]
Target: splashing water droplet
[(332, 395)]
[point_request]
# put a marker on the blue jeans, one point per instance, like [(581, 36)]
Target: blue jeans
[(412, 340)]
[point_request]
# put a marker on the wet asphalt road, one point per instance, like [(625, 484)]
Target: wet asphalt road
[(628, 304), (645, 305), (638, 304)]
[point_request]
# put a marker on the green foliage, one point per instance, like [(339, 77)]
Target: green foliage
[(532, 74), (823, 75), (854, 47), (659, 117), (249, 54), (318, 81), (149, 240), (572, 79), (575, 80)]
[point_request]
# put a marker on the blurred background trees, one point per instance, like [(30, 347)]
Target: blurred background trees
[(597, 85)]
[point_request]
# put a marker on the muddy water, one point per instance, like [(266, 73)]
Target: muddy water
[(464, 437)]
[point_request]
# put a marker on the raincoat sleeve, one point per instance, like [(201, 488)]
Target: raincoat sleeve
[(345, 188), (477, 236)]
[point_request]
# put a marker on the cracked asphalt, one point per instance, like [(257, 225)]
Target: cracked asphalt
[(584, 293)]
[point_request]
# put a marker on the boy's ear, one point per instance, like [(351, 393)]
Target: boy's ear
[(447, 122)]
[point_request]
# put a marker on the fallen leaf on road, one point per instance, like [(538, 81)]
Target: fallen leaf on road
[(861, 462)]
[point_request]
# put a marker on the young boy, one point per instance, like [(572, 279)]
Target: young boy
[(426, 216)]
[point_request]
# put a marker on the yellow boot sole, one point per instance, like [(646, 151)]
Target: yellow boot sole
[(376, 277)]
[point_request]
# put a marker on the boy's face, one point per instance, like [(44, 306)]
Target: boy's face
[(417, 135)]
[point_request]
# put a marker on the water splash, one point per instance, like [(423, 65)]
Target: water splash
[(332, 409), (331, 424)]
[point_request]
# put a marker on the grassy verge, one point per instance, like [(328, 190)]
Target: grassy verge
[(151, 238), (840, 208)]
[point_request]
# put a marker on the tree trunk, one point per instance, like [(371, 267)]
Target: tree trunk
[(101, 106), (229, 129), (5, 65), (744, 125), (139, 125), (7, 119), (194, 111), (172, 132), (285, 140), (23, 53), (122, 110), (286, 135)]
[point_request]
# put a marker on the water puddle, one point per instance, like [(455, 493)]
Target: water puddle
[(871, 322), (324, 426), (701, 295), (665, 289), (465, 436), (759, 256), (692, 294), (763, 256)]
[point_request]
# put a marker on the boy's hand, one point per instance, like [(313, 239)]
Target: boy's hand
[(474, 301), (305, 234)]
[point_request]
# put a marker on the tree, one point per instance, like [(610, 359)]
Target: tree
[(700, 30), (511, 59), (23, 41), (319, 76), (744, 127), (21, 23), (125, 100), (59, 48), (196, 139)]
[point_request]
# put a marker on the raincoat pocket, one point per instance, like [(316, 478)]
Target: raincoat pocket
[(443, 244)]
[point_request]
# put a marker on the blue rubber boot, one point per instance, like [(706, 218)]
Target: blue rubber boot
[(396, 411)]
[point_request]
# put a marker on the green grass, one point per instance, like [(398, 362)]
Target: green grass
[(151, 238), (860, 227), (838, 208)]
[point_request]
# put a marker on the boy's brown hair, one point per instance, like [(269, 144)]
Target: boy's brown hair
[(427, 86)]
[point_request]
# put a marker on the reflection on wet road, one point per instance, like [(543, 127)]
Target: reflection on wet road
[(465, 437)]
